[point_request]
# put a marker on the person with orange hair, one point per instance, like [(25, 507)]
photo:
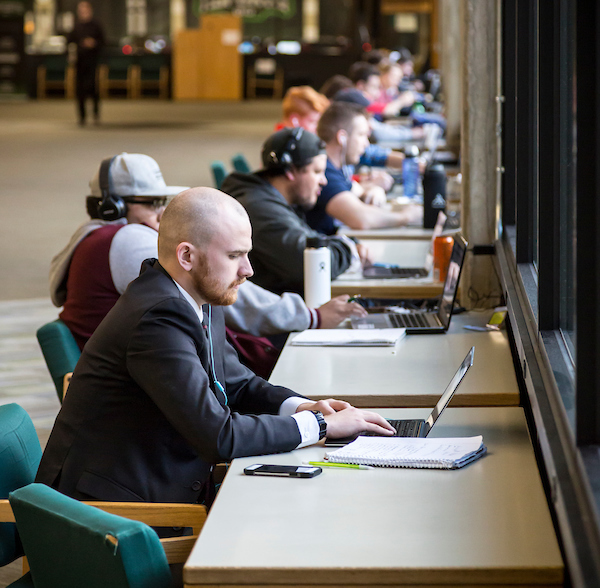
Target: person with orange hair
[(302, 107)]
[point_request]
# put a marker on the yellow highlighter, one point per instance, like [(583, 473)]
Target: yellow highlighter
[(326, 464)]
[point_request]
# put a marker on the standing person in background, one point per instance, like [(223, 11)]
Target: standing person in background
[(88, 38)]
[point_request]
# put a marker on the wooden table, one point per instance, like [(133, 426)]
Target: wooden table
[(412, 374), (407, 253), (487, 524), (407, 233)]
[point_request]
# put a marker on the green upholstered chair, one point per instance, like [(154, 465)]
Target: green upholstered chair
[(72, 544), (20, 455), (240, 164), (219, 173), (118, 72), (60, 351)]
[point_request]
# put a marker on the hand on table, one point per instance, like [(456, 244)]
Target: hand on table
[(338, 309), (364, 254), (374, 195)]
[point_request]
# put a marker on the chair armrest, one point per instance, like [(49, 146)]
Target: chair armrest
[(159, 514), (163, 514), (6, 513), (66, 381)]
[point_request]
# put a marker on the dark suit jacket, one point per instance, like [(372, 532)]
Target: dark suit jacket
[(142, 420)]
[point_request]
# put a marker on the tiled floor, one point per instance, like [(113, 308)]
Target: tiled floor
[(24, 378)]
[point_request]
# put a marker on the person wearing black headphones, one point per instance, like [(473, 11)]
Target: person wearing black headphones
[(105, 255), (276, 199), (128, 197), (343, 201), (158, 397)]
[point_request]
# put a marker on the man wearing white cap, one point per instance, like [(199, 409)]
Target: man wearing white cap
[(87, 277), (105, 254)]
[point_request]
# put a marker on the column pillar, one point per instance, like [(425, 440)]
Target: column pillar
[(479, 146)]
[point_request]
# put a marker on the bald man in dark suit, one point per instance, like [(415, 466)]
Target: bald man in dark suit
[(158, 396)]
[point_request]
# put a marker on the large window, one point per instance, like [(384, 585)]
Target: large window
[(550, 250)]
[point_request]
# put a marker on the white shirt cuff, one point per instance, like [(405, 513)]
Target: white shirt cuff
[(290, 405), (308, 427)]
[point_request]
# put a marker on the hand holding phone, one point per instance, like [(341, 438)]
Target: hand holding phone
[(258, 469)]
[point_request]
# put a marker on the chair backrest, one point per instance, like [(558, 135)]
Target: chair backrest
[(71, 544), (219, 173), (150, 65), (56, 66), (118, 66), (60, 351), (20, 455), (240, 164)]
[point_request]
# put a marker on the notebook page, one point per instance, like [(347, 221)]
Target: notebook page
[(349, 337), (410, 452)]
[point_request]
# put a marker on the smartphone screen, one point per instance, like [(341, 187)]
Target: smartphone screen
[(258, 469)]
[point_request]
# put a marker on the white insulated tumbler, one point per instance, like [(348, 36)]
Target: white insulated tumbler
[(317, 272)]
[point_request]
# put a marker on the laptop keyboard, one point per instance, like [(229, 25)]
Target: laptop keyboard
[(404, 428), (414, 319), (408, 272)]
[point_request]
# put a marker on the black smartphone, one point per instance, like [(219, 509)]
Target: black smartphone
[(259, 469)]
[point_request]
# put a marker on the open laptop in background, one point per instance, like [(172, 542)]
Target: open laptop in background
[(418, 322), (386, 271), (420, 427)]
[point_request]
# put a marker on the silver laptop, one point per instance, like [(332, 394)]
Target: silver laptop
[(420, 427), (418, 322), (379, 271)]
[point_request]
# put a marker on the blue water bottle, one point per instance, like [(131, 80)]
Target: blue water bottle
[(410, 171)]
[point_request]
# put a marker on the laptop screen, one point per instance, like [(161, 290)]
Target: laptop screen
[(452, 277), (450, 389)]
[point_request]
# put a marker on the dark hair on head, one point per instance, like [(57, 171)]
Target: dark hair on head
[(339, 116), (375, 56), (361, 71), (405, 55), (334, 84)]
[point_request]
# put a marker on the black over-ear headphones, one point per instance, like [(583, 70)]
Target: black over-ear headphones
[(285, 157), (111, 207)]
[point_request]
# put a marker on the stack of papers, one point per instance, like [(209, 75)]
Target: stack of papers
[(410, 452), (349, 337)]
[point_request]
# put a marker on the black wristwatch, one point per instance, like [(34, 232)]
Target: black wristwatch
[(322, 423)]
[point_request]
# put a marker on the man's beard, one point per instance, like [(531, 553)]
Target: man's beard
[(211, 290)]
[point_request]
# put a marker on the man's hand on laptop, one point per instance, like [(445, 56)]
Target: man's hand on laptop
[(351, 421), (329, 406)]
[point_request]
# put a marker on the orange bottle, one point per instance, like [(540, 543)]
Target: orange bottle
[(442, 249)]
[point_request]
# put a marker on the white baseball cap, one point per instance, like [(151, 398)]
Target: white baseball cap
[(134, 174)]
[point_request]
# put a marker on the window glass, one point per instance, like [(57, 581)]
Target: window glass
[(567, 205)]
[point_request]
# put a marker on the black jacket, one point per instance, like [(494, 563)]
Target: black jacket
[(279, 235), (142, 420)]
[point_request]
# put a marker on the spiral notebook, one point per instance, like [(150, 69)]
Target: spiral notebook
[(410, 452)]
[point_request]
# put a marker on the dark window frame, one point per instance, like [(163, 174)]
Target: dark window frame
[(547, 45)]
